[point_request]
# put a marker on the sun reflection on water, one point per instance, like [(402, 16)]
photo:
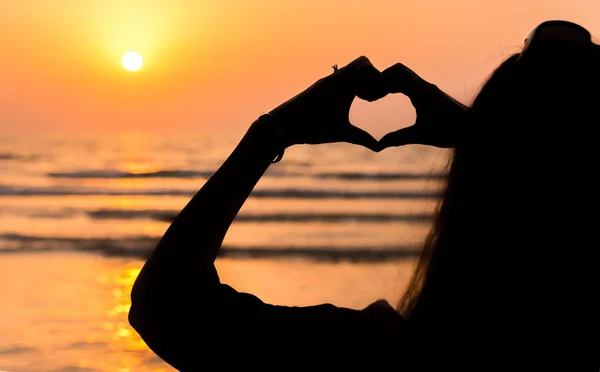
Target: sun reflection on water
[(122, 333), (133, 351)]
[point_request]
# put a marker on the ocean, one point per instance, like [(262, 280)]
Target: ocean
[(80, 213)]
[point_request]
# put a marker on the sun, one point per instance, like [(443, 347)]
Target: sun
[(132, 61)]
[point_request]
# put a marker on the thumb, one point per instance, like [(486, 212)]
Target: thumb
[(360, 137), (404, 136)]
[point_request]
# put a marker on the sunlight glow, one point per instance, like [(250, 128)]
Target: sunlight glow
[(132, 61)]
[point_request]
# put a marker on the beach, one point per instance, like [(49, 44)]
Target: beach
[(68, 311), (78, 216)]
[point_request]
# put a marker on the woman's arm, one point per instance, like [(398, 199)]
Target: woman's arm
[(178, 298), (189, 247), (318, 115)]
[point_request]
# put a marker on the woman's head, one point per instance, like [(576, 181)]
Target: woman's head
[(513, 217)]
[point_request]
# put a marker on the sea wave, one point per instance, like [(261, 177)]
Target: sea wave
[(110, 174), (295, 217), (403, 176), (142, 247), (185, 174), (169, 215), (176, 173), (287, 193), (16, 156), (8, 156)]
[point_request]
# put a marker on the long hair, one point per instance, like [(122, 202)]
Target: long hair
[(511, 233)]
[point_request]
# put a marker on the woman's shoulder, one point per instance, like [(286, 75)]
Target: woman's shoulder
[(374, 335), (379, 319), (237, 327), (378, 312)]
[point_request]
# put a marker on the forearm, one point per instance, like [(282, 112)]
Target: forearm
[(189, 247)]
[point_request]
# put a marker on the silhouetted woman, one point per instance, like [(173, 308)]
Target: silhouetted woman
[(503, 279)]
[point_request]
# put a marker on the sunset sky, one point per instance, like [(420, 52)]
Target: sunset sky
[(216, 65)]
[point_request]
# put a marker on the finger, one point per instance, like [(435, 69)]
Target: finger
[(404, 136), (381, 302), (352, 66), (360, 78), (401, 79), (381, 305), (346, 73), (360, 137), (369, 84)]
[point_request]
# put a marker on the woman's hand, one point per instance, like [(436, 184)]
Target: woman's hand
[(440, 117), (320, 114)]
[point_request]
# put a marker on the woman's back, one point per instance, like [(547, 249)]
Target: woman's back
[(503, 274)]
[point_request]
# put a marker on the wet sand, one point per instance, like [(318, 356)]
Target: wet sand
[(68, 311)]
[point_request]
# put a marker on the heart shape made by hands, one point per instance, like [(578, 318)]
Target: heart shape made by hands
[(383, 116), (437, 118), (321, 113)]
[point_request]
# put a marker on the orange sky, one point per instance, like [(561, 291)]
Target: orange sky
[(216, 65)]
